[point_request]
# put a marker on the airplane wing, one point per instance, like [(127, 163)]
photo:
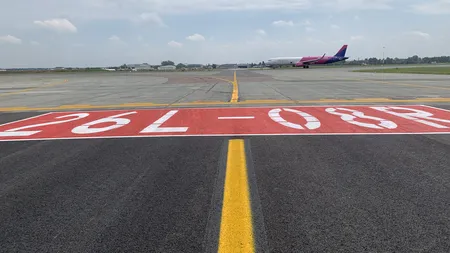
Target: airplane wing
[(312, 61)]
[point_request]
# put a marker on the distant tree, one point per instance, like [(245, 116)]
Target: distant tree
[(373, 60), (214, 66), (180, 66), (388, 60), (166, 63), (124, 66)]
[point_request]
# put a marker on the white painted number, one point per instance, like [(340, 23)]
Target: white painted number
[(312, 122), (413, 114), (88, 129), (350, 118), (16, 131), (156, 126)]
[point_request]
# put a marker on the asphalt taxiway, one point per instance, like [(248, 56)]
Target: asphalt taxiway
[(349, 193), (292, 86)]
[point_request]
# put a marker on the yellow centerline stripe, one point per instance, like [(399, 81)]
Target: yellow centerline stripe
[(235, 94), (236, 228), (218, 103)]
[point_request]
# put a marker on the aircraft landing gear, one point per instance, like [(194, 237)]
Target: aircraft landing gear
[(306, 66)]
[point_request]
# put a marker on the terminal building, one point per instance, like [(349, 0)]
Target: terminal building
[(141, 67), (243, 65), (167, 68)]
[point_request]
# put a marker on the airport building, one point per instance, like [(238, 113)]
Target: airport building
[(227, 66), (194, 66), (167, 68), (140, 67)]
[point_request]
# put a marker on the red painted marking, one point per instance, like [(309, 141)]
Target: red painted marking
[(301, 120)]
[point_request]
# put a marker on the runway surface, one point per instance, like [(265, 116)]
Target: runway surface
[(369, 190)]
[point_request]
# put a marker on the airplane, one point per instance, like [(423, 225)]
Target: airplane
[(308, 60)]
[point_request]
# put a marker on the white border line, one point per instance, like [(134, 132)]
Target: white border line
[(20, 120), (223, 135), (437, 108)]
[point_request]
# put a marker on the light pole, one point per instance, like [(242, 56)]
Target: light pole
[(383, 55)]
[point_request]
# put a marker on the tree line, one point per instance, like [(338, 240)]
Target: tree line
[(415, 59)]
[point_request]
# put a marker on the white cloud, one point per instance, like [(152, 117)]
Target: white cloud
[(288, 23), (356, 17), (419, 34), (283, 23), (306, 23), (34, 43), (175, 44), (261, 32), (10, 39), (152, 17), (356, 37), (335, 27), (432, 7), (345, 5), (315, 41), (60, 25), (152, 9), (196, 37), (114, 38), (310, 29), (224, 5)]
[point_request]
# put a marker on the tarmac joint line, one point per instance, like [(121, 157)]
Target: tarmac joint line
[(34, 88), (402, 84), (236, 225), (234, 83)]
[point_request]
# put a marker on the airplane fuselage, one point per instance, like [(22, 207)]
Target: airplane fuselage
[(305, 61), (297, 61)]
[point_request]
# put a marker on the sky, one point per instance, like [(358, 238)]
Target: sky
[(82, 33)]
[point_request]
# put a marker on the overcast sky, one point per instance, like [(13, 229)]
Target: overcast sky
[(50, 33)]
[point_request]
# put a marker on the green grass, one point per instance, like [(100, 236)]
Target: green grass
[(415, 70)]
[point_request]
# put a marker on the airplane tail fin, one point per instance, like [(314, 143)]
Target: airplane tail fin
[(341, 52)]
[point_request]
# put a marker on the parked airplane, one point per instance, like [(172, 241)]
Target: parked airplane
[(308, 60)]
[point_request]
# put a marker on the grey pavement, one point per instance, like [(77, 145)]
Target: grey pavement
[(110, 88), (317, 194), (355, 193), (33, 90), (340, 83)]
